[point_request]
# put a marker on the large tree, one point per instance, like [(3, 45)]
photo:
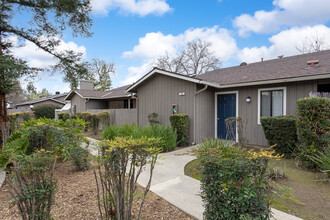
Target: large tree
[(44, 24), (195, 59), (312, 44), (99, 71)]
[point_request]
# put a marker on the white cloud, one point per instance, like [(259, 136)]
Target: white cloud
[(135, 73), (286, 13), (39, 58), (285, 43), (154, 45), (136, 7)]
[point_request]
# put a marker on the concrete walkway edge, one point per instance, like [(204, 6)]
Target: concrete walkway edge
[(2, 176)]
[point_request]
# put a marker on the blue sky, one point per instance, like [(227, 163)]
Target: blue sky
[(132, 33)]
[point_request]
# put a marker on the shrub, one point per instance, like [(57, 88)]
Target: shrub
[(281, 131), (63, 116), (79, 158), (104, 118), (45, 111), (165, 133), (95, 121), (56, 136), (234, 182), (33, 186), (152, 118), (12, 118), (120, 164), (313, 122), (86, 117), (179, 122)]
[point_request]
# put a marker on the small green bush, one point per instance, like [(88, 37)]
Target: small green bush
[(79, 158), (153, 118), (53, 135), (86, 117), (95, 121), (234, 182), (281, 130), (45, 111), (165, 133), (63, 116), (313, 123), (32, 184), (179, 122)]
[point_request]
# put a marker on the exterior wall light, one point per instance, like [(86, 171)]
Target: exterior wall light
[(248, 99), (31, 106)]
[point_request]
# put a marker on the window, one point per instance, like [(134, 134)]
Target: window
[(271, 102), (131, 103), (126, 103)]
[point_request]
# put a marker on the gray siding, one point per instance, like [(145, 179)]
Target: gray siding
[(119, 116), (159, 93), (205, 115), (248, 111), (79, 102)]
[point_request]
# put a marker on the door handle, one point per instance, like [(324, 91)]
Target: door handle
[(218, 119)]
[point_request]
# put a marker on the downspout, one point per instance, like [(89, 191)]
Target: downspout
[(86, 104), (195, 107), (136, 106)]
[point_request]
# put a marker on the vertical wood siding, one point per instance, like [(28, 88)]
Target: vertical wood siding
[(159, 93), (79, 102), (248, 111), (205, 115)]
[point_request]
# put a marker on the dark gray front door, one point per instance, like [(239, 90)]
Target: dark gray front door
[(226, 109)]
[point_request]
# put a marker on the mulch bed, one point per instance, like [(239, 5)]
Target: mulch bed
[(76, 199)]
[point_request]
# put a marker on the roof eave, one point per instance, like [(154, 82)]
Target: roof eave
[(274, 81)]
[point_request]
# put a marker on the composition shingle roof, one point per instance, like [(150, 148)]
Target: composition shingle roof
[(43, 99), (287, 67), (113, 93)]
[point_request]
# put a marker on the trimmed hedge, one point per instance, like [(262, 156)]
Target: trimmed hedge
[(63, 116), (313, 124), (179, 122), (45, 111), (282, 131), (234, 182), (16, 119)]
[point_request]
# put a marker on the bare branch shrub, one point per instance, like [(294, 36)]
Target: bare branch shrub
[(234, 123), (33, 186), (120, 164)]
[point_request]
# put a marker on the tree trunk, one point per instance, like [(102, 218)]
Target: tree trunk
[(4, 128)]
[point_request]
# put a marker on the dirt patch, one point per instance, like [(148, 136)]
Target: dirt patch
[(76, 199)]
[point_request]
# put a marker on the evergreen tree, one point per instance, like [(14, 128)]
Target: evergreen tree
[(46, 20)]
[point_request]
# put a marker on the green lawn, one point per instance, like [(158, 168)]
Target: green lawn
[(313, 195)]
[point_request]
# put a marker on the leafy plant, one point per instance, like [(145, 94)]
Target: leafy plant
[(166, 134), (32, 184), (234, 181), (43, 133), (63, 116), (282, 132), (79, 158), (313, 123), (152, 118), (45, 111), (179, 123), (119, 167)]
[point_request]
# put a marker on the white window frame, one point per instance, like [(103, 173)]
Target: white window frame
[(216, 110), (270, 89)]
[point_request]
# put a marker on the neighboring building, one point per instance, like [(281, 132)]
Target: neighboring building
[(56, 100), (266, 88), (86, 98)]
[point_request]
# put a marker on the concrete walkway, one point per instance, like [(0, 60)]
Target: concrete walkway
[(2, 176), (170, 183)]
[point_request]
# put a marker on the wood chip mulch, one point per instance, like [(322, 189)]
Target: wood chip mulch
[(76, 199)]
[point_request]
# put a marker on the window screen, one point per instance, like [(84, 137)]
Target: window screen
[(271, 103)]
